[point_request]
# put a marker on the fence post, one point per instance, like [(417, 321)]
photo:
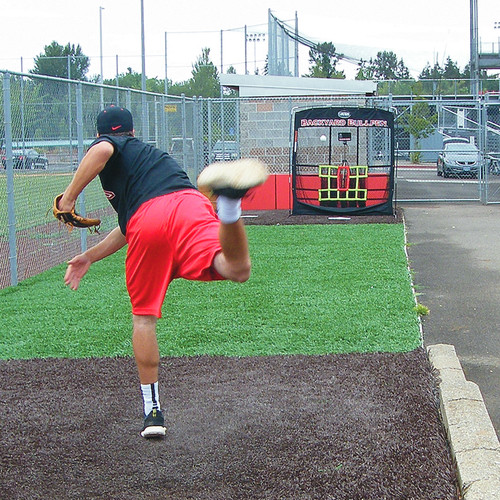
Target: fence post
[(483, 170), (23, 127), (209, 139), (184, 128), (196, 137), (164, 141), (11, 212), (70, 114), (238, 127), (167, 127), (145, 117), (79, 135), (157, 136), (128, 99), (222, 131)]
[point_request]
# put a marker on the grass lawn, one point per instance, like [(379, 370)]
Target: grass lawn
[(314, 290)]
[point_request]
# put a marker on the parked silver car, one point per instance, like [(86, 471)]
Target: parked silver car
[(225, 150), (459, 159)]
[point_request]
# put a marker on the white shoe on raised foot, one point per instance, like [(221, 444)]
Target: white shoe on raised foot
[(232, 178)]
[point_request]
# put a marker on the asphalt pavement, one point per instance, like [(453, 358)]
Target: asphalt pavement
[(454, 252)]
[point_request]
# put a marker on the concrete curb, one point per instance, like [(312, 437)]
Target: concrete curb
[(472, 437)]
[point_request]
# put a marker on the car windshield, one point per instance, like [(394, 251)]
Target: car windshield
[(227, 145)]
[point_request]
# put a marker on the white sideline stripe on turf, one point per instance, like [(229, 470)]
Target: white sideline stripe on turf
[(441, 181)]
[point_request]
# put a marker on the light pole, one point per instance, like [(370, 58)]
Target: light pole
[(496, 25), (254, 37), (101, 79), (145, 122), (166, 66), (143, 49)]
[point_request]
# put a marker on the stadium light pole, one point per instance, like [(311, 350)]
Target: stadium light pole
[(100, 40), (166, 66), (246, 44), (143, 49), (496, 25), (474, 49), (255, 37), (145, 128), (296, 72), (101, 79), (221, 52)]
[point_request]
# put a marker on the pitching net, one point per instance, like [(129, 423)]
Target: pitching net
[(342, 161)]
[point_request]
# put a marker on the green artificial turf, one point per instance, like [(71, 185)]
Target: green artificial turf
[(314, 289)]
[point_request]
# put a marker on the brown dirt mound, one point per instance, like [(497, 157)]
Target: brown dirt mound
[(359, 426), (283, 217)]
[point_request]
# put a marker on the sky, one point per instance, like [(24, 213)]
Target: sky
[(418, 31)]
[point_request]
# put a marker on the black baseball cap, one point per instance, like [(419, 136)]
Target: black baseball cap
[(113, 120)]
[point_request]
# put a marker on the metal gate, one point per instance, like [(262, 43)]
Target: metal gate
[(424, 130), (491, 130), (447, 149)]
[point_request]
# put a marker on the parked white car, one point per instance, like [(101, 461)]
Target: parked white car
[(461, 159)]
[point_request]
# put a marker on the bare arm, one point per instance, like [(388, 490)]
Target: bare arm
[(80, 264), (90, 166)]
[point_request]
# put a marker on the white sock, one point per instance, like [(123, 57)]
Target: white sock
[(150, 397), (228, 209)]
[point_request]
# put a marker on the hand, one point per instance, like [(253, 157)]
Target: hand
[(64, 205), (77, 268)]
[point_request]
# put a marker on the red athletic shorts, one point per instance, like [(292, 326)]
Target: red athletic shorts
[(173, 236)]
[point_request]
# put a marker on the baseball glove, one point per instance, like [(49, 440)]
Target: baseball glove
[(72, 219)]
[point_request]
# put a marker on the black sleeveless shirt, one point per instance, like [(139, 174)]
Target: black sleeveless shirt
[(136, 173)]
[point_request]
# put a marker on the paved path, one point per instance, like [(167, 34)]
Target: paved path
[(454, 252)]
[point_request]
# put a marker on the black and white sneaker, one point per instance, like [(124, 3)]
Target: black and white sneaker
[(232, 178), (154, 425)]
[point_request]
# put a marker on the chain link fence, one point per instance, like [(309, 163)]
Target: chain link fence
[(46, 125), (447, 149)]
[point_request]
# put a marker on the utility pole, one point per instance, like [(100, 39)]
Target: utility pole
[(144, 103), (474, 49), (101, 77)]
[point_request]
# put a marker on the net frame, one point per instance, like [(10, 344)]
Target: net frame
[(342, 161)]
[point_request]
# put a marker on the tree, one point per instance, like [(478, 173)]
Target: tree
[(323, 59), (443, 80), (434, 73), (179, 88), (365, 72), (384, 67), (419, 122), (205, 79), (53, 61), (133, 80), (38, 123), (449, 72), (228, 92)]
